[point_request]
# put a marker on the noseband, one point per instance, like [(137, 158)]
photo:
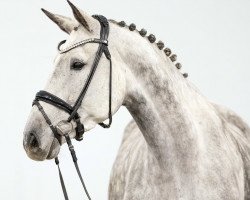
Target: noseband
[(72, 110)]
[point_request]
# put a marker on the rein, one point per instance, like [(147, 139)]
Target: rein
[(72, 110)]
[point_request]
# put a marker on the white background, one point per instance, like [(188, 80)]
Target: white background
[(211, 39)]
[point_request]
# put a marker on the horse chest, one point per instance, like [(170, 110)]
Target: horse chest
[(135, 174)]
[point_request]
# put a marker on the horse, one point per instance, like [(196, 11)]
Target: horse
[(179, 145)]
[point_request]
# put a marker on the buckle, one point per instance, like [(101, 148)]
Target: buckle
[(105, 42)]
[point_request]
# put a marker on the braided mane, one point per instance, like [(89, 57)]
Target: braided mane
[(152, 39)]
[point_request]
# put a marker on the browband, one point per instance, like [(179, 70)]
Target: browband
[(83, 42)]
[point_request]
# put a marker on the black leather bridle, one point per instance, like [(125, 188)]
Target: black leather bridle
[(72, 110)]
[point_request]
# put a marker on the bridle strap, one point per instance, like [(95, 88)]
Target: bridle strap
[(48, 121), (104, 35), (74, 158), (83, 42), (71, 149), (73, 154), (87, 83), (54, 100), (61, 104), (72, 111), (103, 48), (110, 98), (65, 194)]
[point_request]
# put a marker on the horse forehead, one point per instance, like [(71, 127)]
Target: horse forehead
[(73, 38), (81, 34)]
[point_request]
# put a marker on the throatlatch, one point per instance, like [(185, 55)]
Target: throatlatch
[(72, 110)]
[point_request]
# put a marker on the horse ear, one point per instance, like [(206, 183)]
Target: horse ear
[(83, 18), (65, 23)]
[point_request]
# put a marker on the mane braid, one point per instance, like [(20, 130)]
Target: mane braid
[(152, 39)]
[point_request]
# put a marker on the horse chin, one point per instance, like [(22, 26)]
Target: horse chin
[(54, 150)]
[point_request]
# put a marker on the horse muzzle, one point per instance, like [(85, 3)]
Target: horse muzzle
[(36, 148)]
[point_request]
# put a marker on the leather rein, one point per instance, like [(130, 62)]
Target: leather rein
[(72, 110)]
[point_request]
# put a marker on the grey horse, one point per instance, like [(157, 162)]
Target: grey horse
[(179, 145)]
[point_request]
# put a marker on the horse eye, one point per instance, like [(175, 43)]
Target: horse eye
[(77, 65)]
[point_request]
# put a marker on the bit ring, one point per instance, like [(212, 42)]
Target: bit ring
[(63, 123)]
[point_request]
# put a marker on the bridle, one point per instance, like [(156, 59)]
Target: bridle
[(72, 110)]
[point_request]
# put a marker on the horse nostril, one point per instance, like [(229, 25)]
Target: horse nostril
[(33, 142)]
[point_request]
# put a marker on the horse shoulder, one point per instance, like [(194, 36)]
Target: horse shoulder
[(131, 143), (242, 139)]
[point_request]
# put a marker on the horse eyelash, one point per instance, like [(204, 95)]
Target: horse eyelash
[(77, 60)]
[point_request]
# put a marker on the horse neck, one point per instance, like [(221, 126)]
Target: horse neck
[(165, 106)]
